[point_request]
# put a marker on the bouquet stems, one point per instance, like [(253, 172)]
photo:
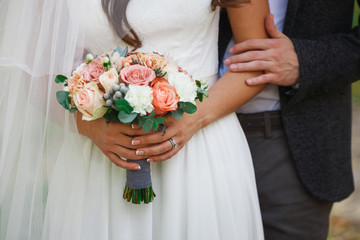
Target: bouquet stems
[(138, 184)]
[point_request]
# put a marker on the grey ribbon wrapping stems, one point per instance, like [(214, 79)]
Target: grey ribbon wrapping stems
[(138, 183)]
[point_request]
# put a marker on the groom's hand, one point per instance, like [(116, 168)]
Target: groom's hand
[(276, 57)]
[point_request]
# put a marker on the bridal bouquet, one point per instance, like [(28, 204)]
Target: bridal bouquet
[(131, 87)]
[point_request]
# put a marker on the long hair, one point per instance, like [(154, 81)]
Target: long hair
[(115, 11)]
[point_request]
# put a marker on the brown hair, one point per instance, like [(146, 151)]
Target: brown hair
[(115, 11)]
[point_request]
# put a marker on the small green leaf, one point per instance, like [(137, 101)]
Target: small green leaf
[(123, 105), (152, 114), (63, 98), (177, 114), (148, 124), (188, 107), (60, 79), (126, 118), (72, 110), (160, 120), (198, 83), (111, 116), (155, 125)]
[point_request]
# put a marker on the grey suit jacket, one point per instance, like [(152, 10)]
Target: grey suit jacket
[(317, 116)]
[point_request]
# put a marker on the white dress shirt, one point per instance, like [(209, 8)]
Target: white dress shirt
[(268, 99)]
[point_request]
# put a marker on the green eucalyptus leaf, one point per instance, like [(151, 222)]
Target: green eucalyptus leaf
[(141, 121), (152, 114), (123, 105), (188, 107), (122, 52), (60, 79), (160, 120), (126, 118), (198, 83), (148, 124), (63, 98), (155, 125), (72, 110), (177, 114)]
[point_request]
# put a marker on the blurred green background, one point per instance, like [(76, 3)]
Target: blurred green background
[(345, 216)]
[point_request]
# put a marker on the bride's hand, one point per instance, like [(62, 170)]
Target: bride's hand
[(161, 148), (113, 139)]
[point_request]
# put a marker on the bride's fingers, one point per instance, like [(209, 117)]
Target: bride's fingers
[(155, 149), (127, 153), (164, 156), (122, 163), (153, 138)]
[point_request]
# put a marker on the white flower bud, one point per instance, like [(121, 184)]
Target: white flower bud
[(89, 57), (106, 59)]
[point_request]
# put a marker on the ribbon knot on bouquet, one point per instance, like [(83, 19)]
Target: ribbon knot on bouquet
[(131, 87)]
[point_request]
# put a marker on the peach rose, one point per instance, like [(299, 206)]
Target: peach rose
[(93, 70), (89, 101), (137, 75), (165, 96), (76, 82), (153, 60), (109, 78), (129, 60)]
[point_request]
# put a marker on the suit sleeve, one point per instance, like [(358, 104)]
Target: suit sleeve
[(327, 63)]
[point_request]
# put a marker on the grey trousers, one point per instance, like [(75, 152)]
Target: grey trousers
[(288, 211)]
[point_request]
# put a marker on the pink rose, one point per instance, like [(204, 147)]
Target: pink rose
[(93, 70), (137, 75), (165, 96), (89, 101)]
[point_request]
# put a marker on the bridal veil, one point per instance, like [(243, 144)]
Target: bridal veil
[(38, 40)]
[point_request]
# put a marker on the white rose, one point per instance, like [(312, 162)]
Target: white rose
[(140, 98), (184, 85), (109, 78)]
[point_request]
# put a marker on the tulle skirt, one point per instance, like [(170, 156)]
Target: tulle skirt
[(207, 191)]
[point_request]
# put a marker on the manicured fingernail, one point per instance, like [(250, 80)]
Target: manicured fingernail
[(137, 168), (149, 160), (139, 152), (231, 50), (227, 62), (134, 126), (135, 142), (249, 81)]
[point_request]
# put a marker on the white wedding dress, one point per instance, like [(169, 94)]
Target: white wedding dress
[(207, 191)]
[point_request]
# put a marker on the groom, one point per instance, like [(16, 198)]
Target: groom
[(299, 127)]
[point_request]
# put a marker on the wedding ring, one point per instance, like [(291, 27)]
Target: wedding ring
[(123, 158), (173, 143)]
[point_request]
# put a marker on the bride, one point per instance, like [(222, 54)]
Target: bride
[(58, 184)]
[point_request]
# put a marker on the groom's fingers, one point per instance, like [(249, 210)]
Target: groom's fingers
[(251, 44), (256, 65), (262, 79), (247, 57)]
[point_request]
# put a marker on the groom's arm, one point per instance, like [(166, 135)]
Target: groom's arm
[(317, 65)]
